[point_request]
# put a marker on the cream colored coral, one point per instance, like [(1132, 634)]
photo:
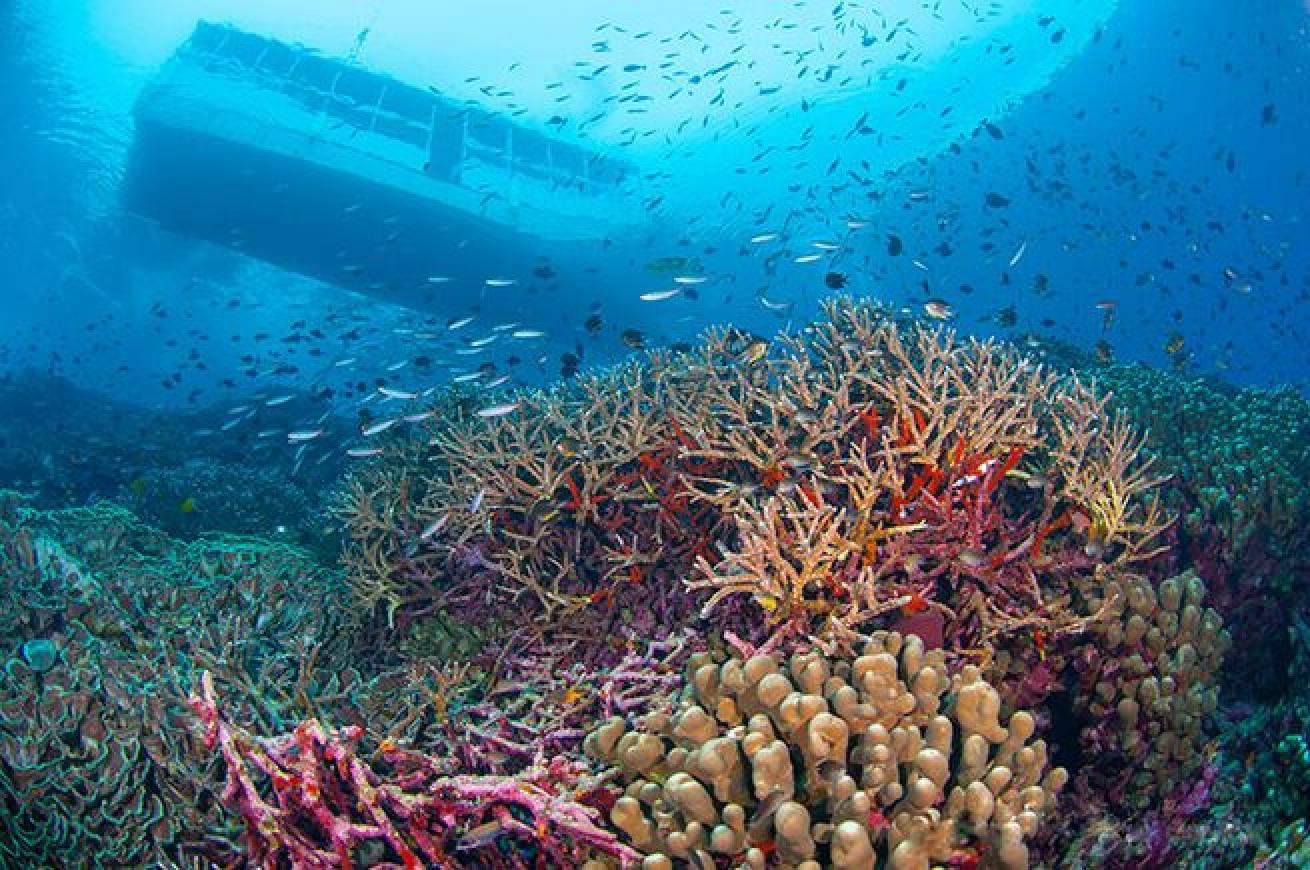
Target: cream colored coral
[(820, 762), (1167, 648)]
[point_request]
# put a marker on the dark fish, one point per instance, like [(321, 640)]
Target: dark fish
[(593, 324), (834, 280), (894, 245), (995, 200), (633, 338)]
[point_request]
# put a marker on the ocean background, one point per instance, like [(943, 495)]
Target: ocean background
[(1101, 184), (1137, 157)]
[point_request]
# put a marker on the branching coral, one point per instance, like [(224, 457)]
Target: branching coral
[(879, 758), (309, 800), (854, 470)]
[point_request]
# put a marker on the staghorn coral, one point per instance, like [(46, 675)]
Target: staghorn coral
[(839, 762), (849, 472)]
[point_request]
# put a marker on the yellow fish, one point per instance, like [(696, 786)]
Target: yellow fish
[(756, 351)]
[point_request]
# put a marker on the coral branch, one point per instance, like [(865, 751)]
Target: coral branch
[(308, 799)]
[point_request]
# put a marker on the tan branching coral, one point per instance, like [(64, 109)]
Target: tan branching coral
[(825, 480), (878, 758)]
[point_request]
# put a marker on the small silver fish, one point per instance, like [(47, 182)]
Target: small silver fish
[(1018, 254), (403, 395), (303, 435), (380, 427), (433, 527), (659, 295), (479, 837), (498, 410), (363, 452)]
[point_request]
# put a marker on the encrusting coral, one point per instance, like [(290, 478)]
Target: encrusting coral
[(831, 762), (96, 725)]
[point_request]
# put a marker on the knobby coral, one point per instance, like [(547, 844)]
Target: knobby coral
[(879, 757)]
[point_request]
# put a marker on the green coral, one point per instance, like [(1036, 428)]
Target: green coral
[(98, 762), (1244, 453)]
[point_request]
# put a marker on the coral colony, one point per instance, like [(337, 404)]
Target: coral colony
[(868, 595)]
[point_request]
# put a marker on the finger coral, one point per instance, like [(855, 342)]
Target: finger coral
[(879, 758), (1152, 675)]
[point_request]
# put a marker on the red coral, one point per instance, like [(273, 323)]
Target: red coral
[(307, 799)]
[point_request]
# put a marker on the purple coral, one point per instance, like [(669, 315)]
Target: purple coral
[(307, 798)]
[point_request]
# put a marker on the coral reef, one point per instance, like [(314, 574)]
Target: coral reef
[(1246, 476), (309, 800), (849, 473), (917, 585), (63, 446), (1238, 460), (105, 619), (832, 762)]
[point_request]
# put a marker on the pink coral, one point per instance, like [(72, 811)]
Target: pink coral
[(308, 799)]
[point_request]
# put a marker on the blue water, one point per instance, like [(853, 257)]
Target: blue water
[(1143, 152)]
